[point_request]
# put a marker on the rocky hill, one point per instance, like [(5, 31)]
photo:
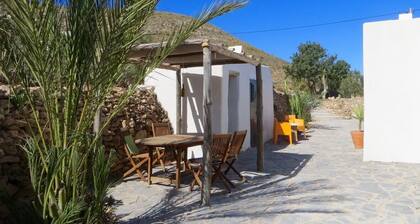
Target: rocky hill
[(163, 23)]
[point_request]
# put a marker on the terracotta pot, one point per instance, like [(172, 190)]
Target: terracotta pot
[(357, 137)]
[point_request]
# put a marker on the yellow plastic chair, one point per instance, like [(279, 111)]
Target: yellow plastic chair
[(300, 123), (283, 129)]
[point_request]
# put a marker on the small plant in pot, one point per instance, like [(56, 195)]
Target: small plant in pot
[(357, 136)]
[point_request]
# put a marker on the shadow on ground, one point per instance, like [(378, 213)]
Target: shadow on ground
[(264, 194)]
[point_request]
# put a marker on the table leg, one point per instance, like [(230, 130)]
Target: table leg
[(185, 157), (149, 165), (178, 155)]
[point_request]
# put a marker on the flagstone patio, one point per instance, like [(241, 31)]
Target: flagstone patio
[(319, 180)]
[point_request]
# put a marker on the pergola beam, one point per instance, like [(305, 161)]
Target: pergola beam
[(231, 54), (189, 53)]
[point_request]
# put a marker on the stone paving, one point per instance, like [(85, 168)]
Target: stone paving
[(319, 180)]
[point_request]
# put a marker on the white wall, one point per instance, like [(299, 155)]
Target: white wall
[(247, 73), (164, 82), (192, 80), (392, 90)]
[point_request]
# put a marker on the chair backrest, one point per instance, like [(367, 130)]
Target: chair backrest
[(290, 118), (131, 145), (236, 143), (285, 128), (220, 146), (160, 129)]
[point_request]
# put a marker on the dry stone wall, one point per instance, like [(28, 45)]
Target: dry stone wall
[(142, 110), (342, 106), (281, 105)]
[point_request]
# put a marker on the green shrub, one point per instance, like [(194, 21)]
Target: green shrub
[(301, 104), (76, 56), (351, 86), (18, 98)]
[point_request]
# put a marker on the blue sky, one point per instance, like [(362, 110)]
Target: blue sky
[(343, 39)]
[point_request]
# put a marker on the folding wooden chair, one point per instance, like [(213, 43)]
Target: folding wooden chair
[(136, 157), (219, 150), (160, 129), (234, 150)]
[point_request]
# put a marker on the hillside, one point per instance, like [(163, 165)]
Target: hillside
[(162, 23)]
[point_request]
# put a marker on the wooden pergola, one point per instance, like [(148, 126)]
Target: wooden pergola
[(195, 53)]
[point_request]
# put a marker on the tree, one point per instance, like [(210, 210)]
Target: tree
[(352, 85), (337, 72), (307, 64), (321, 72), (76, 55)]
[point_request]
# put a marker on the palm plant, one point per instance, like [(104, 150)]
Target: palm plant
[(301, 104), (75, 54), (358, 113)]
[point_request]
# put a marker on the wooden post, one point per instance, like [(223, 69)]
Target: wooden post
[(260, 130), (208, 137), (178, 102)]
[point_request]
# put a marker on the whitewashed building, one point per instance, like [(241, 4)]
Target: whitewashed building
[(233, 94), (392, 89)]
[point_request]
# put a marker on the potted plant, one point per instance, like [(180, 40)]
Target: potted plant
[(357, 136)]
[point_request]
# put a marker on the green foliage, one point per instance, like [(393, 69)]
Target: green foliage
[(307, 64), (359, 114), (338, 71), (311, 63), (301, 104), (18, 98), (76, 56), (352, 85)]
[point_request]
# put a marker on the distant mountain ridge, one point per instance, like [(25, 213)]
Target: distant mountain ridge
[(162, 23)]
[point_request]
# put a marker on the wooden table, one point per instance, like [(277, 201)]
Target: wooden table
[(177, 143)]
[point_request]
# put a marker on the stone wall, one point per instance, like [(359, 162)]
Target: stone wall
[(142, 110), (281, 105), (342, 106)]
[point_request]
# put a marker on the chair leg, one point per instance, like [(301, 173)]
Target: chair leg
[(220, 175), (159, 157), (196, 180), (229, 166), (290, 139), (223, 178), (136, 169), (227, 180), (239, 174)]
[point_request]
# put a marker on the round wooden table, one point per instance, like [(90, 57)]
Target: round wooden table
[(177, 143)]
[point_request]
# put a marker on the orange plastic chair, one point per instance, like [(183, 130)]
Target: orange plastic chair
[(283, 129)]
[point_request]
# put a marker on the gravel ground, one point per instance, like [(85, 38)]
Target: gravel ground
[(319, 180)]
